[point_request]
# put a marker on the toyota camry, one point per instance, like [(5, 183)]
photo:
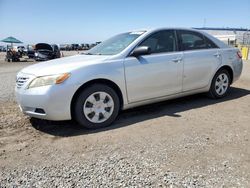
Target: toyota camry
[(128, 70)]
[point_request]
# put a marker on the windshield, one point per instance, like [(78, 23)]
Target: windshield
[(115, 44)]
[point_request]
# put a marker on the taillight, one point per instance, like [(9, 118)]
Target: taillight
[(239, 55)]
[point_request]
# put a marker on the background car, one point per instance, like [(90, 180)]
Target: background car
[(85, 46), (44, 52), (75, 46), (2, 49), (63, 47), (22, 50), (30, 51)]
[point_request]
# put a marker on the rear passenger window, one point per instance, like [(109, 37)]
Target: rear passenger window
[(190, 40), (210, 44), (162, 41)]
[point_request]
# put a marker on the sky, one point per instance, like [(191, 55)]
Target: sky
[(87, 21)]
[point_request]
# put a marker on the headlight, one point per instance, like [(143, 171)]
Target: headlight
[(49, 80)]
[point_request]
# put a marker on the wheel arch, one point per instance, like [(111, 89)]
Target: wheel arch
[(230, 71), (110, 83)]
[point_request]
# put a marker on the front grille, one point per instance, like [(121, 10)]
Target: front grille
[(21, 80)]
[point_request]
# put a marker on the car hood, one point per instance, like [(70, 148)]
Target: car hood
[(43, 46), (63, 65)]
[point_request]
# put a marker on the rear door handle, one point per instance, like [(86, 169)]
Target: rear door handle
[(217, 54), (177, 60)]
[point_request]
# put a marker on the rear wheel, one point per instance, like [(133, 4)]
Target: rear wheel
[(97, 106), (220, 84)]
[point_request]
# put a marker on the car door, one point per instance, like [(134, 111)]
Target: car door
[(201, 58), (158, 73)]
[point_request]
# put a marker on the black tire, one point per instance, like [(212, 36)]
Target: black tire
[(212, 92), (78, 113)]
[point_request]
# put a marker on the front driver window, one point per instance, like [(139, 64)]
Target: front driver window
[(162, 41)]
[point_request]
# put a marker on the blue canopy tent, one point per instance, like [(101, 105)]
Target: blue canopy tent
[(11, 40)]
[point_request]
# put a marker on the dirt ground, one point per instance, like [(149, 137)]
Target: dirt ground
[(188, 142)]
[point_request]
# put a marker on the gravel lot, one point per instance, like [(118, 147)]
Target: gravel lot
[(189, 142)]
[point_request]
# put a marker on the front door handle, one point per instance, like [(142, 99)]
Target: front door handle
[(177, 60)]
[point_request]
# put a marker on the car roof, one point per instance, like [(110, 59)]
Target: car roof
[(165, 28), (219, 43)]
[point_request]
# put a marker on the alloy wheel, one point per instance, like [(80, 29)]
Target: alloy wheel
[(221, 84)]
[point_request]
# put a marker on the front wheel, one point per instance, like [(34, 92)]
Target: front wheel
[(220, 84), (97, 106)]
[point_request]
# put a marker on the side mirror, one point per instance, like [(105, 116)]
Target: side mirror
[(141, 50)]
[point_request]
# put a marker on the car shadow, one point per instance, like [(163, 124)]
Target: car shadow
[(139, 114)]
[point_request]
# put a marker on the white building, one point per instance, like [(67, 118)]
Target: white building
[(231, 36)]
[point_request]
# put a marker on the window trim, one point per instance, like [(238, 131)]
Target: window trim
[(175, 37)]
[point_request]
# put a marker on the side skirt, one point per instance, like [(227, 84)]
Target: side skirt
[(164, 98)]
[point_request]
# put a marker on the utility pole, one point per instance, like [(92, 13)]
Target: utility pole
[(204, 22)]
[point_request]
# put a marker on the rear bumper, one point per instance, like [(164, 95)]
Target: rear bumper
[(47, 102), (237, 66)]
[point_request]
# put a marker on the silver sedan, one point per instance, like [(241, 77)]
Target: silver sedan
[(130, 69)]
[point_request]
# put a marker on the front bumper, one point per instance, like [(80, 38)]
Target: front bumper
[(47, 102), (37, 58)]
